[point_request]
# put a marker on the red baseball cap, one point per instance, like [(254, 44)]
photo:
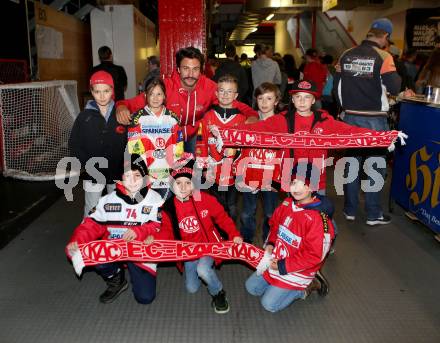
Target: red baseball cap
[(304, 86), (101, 77)]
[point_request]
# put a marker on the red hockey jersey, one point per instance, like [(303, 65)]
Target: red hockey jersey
[(301, 239), (219, 163)]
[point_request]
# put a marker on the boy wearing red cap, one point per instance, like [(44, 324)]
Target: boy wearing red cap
[(299, 240), (194, 219), (301, 118), (96, 134)]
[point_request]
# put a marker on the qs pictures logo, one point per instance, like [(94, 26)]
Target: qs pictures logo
[(421, 174)]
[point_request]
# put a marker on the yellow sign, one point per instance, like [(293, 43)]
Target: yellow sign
[(328, 4)]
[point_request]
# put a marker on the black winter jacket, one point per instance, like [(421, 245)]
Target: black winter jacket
[(92, 136)]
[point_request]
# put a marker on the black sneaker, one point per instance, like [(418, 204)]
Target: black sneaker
[(220, 303), (379, 221), (115, 286), (325, 287)]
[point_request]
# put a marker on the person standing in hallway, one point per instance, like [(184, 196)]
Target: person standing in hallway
[(117, 72), (232, 67), (189, 94), (264, 69), (364, 75), (153, 71), (317, 72)]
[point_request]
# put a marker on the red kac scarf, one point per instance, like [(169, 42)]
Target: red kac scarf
[(246, 138), (104, 251)]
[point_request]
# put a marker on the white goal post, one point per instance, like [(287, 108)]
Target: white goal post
[(36, 119)]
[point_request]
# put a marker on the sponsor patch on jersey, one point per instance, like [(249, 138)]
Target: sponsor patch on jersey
[(179, 136), (146, 209), (189, 224), (116, 232), (360, 66), (289, 237), (159, 154), (212, 140), (155, 129), (285, 203), (204, 213), (110, 207)]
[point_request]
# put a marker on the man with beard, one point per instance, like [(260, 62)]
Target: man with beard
[(189, 94)]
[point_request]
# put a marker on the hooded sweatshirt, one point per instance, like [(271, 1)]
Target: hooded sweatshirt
[(265, 69)]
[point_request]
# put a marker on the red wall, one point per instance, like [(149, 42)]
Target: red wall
[(181, 23)]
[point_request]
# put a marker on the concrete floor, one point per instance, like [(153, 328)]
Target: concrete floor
[(385, 285)]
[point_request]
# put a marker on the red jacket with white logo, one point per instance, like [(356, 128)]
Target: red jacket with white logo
[(117, 212), (194, 219), (190, 106), (301, 239)]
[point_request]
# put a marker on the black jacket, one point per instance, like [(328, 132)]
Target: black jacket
[(118, 74), (367, 73), (92, 136), (230, 67)]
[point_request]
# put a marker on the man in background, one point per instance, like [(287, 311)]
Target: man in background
[(117, 72)]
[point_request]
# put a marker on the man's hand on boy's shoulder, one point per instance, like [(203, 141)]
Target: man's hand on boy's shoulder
[(251, 120), (123, 115)]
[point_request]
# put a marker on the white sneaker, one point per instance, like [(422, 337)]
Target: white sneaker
[(348, 217), (379, 221)]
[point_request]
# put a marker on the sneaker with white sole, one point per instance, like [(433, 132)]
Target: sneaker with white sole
[(379, 221), (220, 302), (348, 217)]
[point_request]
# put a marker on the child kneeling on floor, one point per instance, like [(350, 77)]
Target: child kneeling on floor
[(131, 212), (193, 215), (299, 239)]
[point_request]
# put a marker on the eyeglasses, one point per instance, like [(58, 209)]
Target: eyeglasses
[(226, 92)]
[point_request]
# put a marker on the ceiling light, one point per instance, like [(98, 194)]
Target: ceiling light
[(270, 16)]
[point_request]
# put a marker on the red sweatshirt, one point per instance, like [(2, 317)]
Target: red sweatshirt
[(323, 123), (254, 164)]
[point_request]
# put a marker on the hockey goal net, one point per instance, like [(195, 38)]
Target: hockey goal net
[(36, 120)]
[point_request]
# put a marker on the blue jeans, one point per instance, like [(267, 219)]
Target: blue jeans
[(203, 268), (228, 199), (373, 206), (143, 283), (248, 222), (273, 298)]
